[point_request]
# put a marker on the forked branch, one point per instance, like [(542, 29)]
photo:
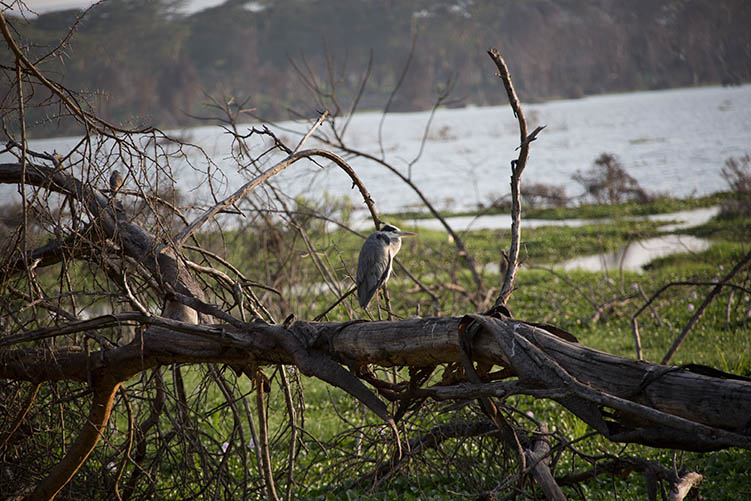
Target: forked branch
[(517, 168)]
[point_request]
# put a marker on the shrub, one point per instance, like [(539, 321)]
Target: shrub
[(737, 173), (540, 195), (608, 182)]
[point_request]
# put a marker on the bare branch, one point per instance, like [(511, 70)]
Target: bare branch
[(517, 169), (685, 484)]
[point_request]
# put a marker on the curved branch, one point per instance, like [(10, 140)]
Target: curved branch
[(458, 242), (99, 413), (268, 174)]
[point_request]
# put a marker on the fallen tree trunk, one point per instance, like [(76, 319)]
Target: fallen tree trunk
[(626, 400)]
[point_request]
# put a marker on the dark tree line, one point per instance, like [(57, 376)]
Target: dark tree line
[(146, 63)]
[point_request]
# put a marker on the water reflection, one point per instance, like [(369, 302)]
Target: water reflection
[(634, 256)]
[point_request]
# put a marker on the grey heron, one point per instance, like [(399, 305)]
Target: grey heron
[(375, 261)]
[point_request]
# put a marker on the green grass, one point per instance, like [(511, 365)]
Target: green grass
[(660, 205)]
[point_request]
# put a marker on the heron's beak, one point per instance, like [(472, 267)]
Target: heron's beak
[(407, 234)]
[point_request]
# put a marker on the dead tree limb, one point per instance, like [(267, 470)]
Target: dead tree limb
[(99, 413), (626, 400), (517, 169), (685, 484)]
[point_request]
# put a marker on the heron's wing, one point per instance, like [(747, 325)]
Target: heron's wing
[(373, 268)]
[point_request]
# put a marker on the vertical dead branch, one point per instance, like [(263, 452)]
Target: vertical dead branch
[(517, 168)]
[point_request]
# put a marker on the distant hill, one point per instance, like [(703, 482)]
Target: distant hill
[(141, 62)]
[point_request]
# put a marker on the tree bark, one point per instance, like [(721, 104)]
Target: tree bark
[(626, 400), (684, 484)]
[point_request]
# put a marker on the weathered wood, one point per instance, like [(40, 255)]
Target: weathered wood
[(538, 458), (648, 403), (685, 484), (717, 402)]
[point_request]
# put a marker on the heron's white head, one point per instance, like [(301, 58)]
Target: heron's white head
[(394, 232)]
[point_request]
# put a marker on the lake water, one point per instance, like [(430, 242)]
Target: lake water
[(672, 141)]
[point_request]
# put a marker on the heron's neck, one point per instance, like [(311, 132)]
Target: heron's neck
[(396, 244)]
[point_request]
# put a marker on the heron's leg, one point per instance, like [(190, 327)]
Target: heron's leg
[(388, 303), (378, 303)]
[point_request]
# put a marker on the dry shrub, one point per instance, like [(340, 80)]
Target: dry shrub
[(608, 182), (544, 195), (737, 173)]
